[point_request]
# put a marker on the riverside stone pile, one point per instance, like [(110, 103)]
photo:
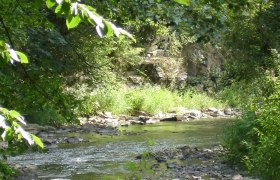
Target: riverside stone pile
[(105, 123)]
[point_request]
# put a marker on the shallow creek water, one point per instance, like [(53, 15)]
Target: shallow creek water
[(106, 156)]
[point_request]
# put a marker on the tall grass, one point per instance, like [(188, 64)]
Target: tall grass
[(148, 99), (200, 100)]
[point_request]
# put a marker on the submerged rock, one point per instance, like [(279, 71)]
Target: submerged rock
[(74, 140), (26, 173)]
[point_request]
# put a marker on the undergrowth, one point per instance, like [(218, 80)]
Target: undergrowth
[(253, 139), (148, 99)]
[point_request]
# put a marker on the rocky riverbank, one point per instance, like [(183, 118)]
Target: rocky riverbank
[(181, 114), (195, 164), (105, 123)]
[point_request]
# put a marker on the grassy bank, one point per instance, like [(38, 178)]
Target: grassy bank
[(149, 99)]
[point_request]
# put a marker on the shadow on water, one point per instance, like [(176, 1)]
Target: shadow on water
[(105, 157)]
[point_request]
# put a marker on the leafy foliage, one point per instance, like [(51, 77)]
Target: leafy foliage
[(250, 37), (13, 133), (9, 54), (76, 12), (16, 137), (252, 139), (62, 60), (6, 171), (55, 61), (264, 158), (252, 41)]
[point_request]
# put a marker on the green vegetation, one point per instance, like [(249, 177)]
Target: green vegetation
[(252, 139), (148, 99), (6, 171), (68, 71), (16, 138)]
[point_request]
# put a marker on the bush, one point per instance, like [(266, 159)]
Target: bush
[(6, 171), (237, 94), (253, 140), (200, 100), (240, 136), (265, 157)]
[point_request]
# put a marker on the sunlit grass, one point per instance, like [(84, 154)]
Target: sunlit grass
[(151, 100)]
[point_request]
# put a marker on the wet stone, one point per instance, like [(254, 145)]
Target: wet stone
[(171, 165), (155, 166), (169, 119), (197, 163), (26, 173), (237, 177), (74, 140), (161, 159)]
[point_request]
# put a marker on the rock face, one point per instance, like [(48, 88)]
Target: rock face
[(201, 58), (164, 70), (194, 60)]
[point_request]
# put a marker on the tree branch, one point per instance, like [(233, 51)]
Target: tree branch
[(33, 83)]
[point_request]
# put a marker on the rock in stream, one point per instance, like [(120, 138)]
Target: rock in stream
[(196, 164)]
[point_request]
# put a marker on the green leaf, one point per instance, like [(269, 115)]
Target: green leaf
[(14, 114), (23, 57), (26, 135), (50, 3), (124, 32), (38, 141), (92, 16), (72, 21), (110, 31), (58, 9), (8, 134), (2, 45), (4, 110), (5, 56), (184, 2)]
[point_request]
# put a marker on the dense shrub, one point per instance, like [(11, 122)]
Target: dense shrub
[(253, 140), (6, 171), (241, 135), (265, 158)]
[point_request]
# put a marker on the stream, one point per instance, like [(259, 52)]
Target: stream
[(106, 157)]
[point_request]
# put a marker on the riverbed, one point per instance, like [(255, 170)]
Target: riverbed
[(108, 156)]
